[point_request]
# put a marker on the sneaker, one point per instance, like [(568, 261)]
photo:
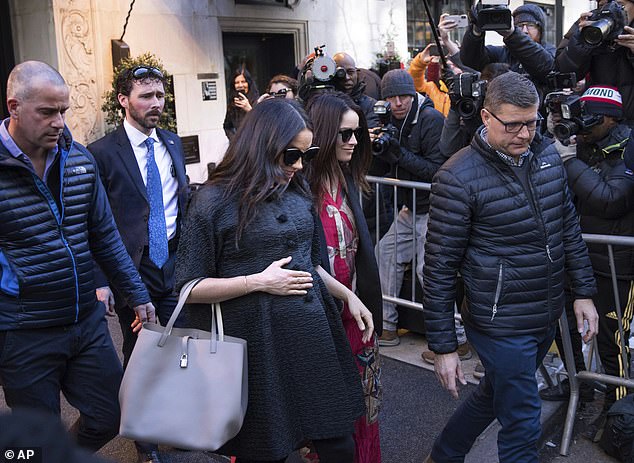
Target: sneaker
[(478, 372), (561, 392), (464, 353), (389, 338)]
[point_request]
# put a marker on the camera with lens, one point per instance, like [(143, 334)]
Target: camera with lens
[(560, 80), (493, 15), (605, 24), (320, 73), (573, 118), (386, 131), (466, 92)]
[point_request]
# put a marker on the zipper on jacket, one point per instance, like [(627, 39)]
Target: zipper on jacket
[(498, 291), (59, 218), (550, 258)]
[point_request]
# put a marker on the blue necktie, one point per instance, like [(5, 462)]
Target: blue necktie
[(157, 230)]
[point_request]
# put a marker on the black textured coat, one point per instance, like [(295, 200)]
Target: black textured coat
[(303, 383), (511, 248), (48, 236)]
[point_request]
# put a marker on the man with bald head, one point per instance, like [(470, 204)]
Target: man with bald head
[(355, 88), (54, 219)]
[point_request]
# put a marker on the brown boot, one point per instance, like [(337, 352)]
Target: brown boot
[(389, 338)]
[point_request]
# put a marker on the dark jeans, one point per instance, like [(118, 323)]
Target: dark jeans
[(507, 392), (79, 360), (335, 450)]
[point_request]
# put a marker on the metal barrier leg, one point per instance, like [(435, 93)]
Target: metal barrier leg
[(574, 386)]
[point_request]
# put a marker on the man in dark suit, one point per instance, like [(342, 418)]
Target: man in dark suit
[(143, 171)]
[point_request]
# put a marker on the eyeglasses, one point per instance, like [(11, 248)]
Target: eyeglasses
[(291, 155), (346, 134), (141, 72), (515, 127), (528, 25)]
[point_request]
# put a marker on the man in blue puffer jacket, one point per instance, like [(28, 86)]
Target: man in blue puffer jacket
[(502, 217), (54, 218)]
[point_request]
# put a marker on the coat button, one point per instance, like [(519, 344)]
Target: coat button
[(282, 218), (308, 297)]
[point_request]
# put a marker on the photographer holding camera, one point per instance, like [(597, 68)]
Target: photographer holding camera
[(523, 49), (603, 187), (602, 48), (354, 87), (409, 143)]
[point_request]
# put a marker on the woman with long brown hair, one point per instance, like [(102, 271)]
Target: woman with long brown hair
[(252, 233), (336, 176)]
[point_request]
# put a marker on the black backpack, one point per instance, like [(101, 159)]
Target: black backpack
[(618, 435)]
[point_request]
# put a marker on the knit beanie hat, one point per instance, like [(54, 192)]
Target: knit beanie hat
[(530, 13), (397, 82), (603, 100)]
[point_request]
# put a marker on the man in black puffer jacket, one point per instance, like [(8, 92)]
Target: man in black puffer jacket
[(413, 154), (502, 217), (54, 218)]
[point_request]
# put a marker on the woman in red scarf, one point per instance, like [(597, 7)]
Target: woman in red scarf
[(336, 176)]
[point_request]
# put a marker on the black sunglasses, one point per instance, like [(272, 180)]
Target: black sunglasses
[(141, 72), (346, 134), (291, 155)]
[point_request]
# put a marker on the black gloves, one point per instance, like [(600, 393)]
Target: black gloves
[(392, 153)]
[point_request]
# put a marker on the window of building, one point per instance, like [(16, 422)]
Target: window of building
[(418, 31)]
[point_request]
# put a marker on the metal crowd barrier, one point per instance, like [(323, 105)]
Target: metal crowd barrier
[(395, 184), (574, 376), (589, 376)]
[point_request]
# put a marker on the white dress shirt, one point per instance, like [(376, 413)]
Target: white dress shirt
[(165, 167)]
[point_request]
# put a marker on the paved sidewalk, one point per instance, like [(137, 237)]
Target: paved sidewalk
[(415, 411), (582, 449)]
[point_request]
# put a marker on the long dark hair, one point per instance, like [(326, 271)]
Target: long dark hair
[(251, 170), (253, 94), (326, 112)]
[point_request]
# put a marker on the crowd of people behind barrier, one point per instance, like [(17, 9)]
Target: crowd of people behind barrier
[(525, 145)]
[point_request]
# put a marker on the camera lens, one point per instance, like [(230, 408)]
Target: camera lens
[(595, 33), (565, 129), (379, 145), (466, 108)]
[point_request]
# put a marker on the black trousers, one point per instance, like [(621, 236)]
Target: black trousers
[(335, 450), (160, 285), (609, 338), (78, 360)]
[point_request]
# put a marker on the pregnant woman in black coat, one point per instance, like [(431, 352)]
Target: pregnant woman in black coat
[(252, 232)]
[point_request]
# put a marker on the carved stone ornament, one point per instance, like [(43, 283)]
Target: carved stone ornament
[(78, 66)]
